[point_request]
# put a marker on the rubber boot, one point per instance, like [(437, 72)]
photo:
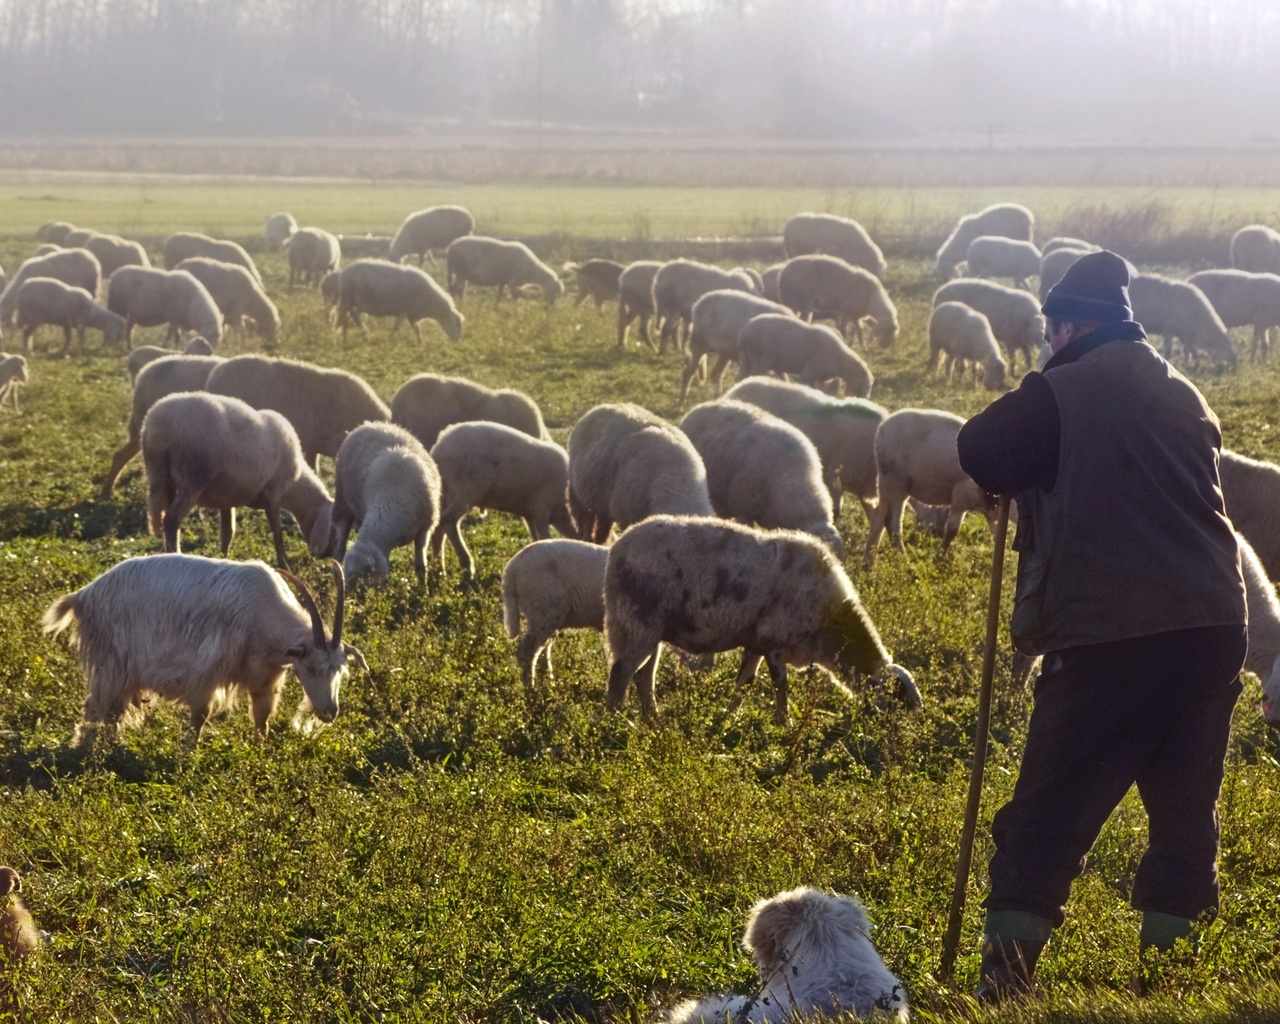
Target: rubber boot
[(1156, 941), (1012, 943)]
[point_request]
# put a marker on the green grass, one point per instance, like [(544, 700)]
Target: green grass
[(443, 852)]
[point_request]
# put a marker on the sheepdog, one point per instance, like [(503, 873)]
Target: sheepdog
[(815, 958)]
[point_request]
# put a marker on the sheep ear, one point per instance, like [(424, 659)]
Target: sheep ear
[(297, 651)]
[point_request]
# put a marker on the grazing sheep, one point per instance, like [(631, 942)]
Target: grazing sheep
[(280, 227), (185, 244), (1179, 310), (597, 280), (715, 323), (769, 282), (323, 404), (379, 288), (388, 487), (76, 237), (808, 233), (331, 289), (187, 628), (679, 284), (313, 252), (18, 933), (707, 585), (964, 336), (1256, 248), (1242, 299), (916, 457), (761, 470), (553, 585), (1066, 242), (812, 353), (428, 403), (149, 297), (1014, 315), (144, 355), (626, 464), (1263, 655), (432, 228), (236, 294), (76, 267), (997, 256), (823, 286), (1251, 493), (477, 260), (635, 299), (1005, 219), (45, 300), (13, 373), (114, 252), (1054, 265), (46, 249), (54, 231)]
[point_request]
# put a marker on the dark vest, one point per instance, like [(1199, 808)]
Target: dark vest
[(1134, 538)]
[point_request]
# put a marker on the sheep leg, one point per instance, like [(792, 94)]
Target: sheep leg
[(179, 506), (624, 320), (199, 715), (746, 675), (581, 296), (277, 535), (498, 297), (692, 367), (66, 341), (717, 373), (417, 332), (419, 556), (778, 673), (952, 526), (227, 522), (396, 326), (262, 707), (645, 336), (529, 653), (644, 685), (539, 529), (600, 533), (80, 326), (450, 528), (621, 672)]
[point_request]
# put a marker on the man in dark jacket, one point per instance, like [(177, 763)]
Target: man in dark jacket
[(1129, 584)]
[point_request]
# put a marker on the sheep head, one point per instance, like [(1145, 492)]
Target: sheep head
[(321, 662)]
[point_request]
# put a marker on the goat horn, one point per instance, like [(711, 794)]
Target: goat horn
[(309, 603), (340, 582)]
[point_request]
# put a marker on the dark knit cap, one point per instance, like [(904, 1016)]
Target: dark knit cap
[(1095, 287)]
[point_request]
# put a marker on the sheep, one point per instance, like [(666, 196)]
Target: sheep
[(428, 403), (1179, 310), (280, 227), (635, 299), (475, 259), (331, 289), (1243, 299), (707, 585), (1251, 493), (76, 237), (323, 404), (188, 629), (553, 585), (379, 288), (679, 284), (769, 282), (842, 430), (716, 321), (18, 933), (144, 355), (114, 252), (916, 457), (1014, 315), (432, 228), (757, 282), (1256, 248), (996, 256), (219, 452), (626, 464), (149, 297), (155, 380), (761, 469), (313, 253), (184, 244), (1066, 242), (45, 300), (1263, 655), (13, 372), (77, 267), (812, 353), (828, 287), (964, 336), (388, 487), (1054, 264), (46, 248), (808, 233), (1006, 219), (54, 231), (236, 294), (597, 280)]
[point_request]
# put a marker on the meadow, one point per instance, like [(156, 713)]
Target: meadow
[(447, 851)]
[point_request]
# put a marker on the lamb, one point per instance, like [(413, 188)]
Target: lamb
[(313, 253), (1006, 219), (626, 464), (323, 404), (597, 280), (996, 256), (1242, 299), (379, 288), (811, 353), (706, 585), (144, 355), (964, 336), (388, 487), (916, 457), (1179, 310), (716, 321), (769, 282), (1256, 249), (114, 252), (280, 227), (76, 267), (761, 470), (823, 286), (13, 372), (681, 283), (492, 466), (187, 628), (54, 231), (18, 933), (185, 244), (149, 297), (475, 259), (45, 300), (809, 233), (1263, 655), (1014, 315), (428, 403), (635, 299), (1251, 492), (236, 294), (432, 228)]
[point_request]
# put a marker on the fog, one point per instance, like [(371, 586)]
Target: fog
[(1168, 71)]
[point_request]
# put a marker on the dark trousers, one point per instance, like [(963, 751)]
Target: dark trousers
[(1155, 711)]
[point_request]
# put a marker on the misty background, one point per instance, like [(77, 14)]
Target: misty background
[(1152, 70)]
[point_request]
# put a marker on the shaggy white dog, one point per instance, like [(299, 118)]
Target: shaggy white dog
[(815, 958)]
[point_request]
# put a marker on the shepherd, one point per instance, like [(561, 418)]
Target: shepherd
[(1129, 585)]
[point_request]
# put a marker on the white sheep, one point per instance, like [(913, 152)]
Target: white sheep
[(491, 466), (761, 470), (827, 287), (1251, 493), (716, 321), (1179, 310), (279, 228), (707, 585), (769, 282), (77, 267), (475, 259), (811, 353), (76, 237), (1066, 242), (379, 288), (146, 354), (149, 297), (997, 256), (1055, 263), (808, 233), (114, 252), (1006, 219), (46, 248), (1243, 299), (1014, 315), (635, 299), (1256, 248), (428, 403), (432, 228), (187, 629), (54, 231), (13, 373), (1263, 655), (388, 487), (236, 294), (331, 289), (597, 280), (964, 336), (313, 252), (182, 245), (679, 284), (45, 300)]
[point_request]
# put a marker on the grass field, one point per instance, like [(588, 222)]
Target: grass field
[(443, 852)]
